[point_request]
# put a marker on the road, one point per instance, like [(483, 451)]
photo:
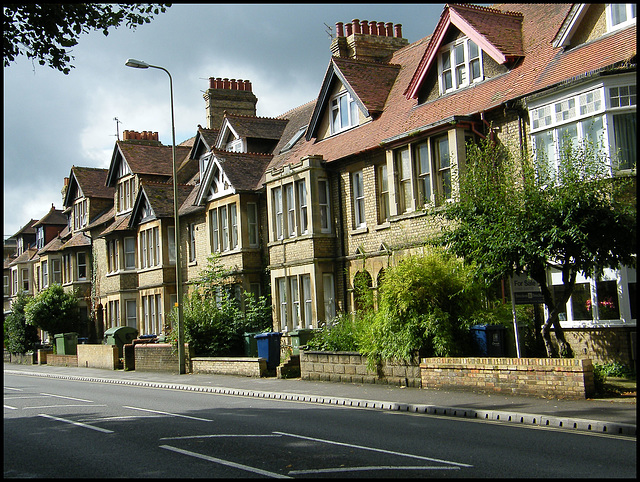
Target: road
[(70, 428)]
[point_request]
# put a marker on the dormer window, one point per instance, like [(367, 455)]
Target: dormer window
[(459, 65), (344, 112), (126, 195), (40, 237), (80, 214), (620, 15), (235, 145)]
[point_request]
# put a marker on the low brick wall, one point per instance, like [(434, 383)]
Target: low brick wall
[(159, 357), (42, 355), (62, 360), (98, 356), (351, 367), (564, 378), (243, 366)]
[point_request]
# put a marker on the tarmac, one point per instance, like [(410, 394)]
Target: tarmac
[(614, 416)]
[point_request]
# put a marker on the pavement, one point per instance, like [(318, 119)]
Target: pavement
[(616, 416)]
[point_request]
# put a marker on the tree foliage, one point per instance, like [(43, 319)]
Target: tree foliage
[(512, 217), (54, 311), (47, 31), (19, 336), (214, 323)]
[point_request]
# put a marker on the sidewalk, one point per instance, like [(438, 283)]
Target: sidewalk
[(612, 416)]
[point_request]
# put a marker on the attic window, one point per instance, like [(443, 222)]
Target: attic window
[(459, 65), (294, 139), (620, 15), (344, 112)]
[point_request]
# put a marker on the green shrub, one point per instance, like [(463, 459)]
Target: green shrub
[(53, 310), (19, 336), (340, 335)]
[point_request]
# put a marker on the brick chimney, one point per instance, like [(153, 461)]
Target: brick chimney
[(144, 137), (231, 95), (367, 40)]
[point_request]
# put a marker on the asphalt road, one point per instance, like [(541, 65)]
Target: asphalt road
[(69, 428)]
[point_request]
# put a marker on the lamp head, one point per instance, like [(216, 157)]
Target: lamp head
[(137, 64)]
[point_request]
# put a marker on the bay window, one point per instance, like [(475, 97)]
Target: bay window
[(81, 259), (323, 201), (223, 228), (383, 193)]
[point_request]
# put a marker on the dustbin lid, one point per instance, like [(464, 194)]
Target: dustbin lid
[(268, 335), (120, 330)]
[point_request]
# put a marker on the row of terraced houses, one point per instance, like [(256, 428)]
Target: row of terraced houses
[(300, 205)]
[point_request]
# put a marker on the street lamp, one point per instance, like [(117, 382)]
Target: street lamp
[(138, 64)]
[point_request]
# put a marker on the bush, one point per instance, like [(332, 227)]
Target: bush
[(426, 303), (340, 335), (54, 311), (19, 336)]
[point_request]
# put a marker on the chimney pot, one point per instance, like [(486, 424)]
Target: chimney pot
[(373, 27), (381, 30), (389, 26), (356, 26), (212, 83), (225, 83), (398, 28), (240, 84), (365, 27), (349, 27), (66, 181), (339, 29), (247, 85)]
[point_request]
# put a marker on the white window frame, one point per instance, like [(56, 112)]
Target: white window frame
[(301, 197), (382, 181), (25, 279), (324, 205), (294, 290), (307, 300), (344, 112), (131, 313), (282, 304), (214, 230), (630, 16), (358, 200), (458, 67), (404, 179), (45, 274), (278, 213), (252, 224), (329, 295), (129, 252), (82, 266), (192, 242), (56, 273), (171, 244)]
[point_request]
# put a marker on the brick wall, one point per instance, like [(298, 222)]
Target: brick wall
[(566, 378), (243, 366), (159, 357), (62, 360), (351, 367)]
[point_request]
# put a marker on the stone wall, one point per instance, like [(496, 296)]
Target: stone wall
[(243, 366), (98, 356), (351, 367), (159, 357), (565, 378)]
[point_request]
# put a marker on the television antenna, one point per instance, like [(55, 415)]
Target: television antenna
[(117, 127), (328, 30)]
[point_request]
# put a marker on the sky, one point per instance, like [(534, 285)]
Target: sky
[(53, 121)]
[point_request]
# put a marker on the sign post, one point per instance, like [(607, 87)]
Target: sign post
[(524, 291)]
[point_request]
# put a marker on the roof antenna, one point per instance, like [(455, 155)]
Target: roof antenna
[(117, 127), (328, 31)]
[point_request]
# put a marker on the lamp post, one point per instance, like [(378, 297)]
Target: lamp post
[(138, 64)]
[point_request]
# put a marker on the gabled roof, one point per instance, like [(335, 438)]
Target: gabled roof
[(119, 224), (498, 33), (251, 127), (54, 217), (570, 25), (26, 256), (204, 141), (57, 243), (369, 83), (89, 182), (159, 198), (243, 171), (78, 240), (27, 228), (155, 160)]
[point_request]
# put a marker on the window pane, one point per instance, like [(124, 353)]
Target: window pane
[(624, 126), (607, 293), (234, 226), (581, 302)]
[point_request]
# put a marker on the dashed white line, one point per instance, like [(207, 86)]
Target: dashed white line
[(218, 436), (372, 467), (68, 398)]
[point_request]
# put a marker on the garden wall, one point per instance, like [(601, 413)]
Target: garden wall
[(565, 378), (242, 366), (62, 360), (98, 356), (351, 367), (160, 357)]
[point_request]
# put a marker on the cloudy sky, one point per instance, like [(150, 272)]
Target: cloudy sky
[(53, 121)]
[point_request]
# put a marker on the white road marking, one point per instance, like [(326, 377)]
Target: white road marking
[(372, 467), (79, 424), (11, 388), (420, 457), (216, 436), (228, 463), (169, 413), (68, 398), (10, 407), (59, 406)]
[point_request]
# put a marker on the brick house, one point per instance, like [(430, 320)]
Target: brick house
[(387, 137)]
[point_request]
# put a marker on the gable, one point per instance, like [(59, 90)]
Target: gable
[(215, 183), (496, 33), (142, 210), (118, 167)]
